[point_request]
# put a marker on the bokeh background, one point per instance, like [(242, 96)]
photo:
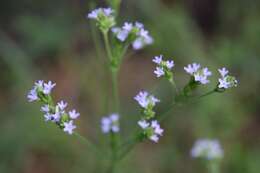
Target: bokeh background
[(53, 40)]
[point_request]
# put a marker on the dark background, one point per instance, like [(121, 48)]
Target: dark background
[(52, 40)]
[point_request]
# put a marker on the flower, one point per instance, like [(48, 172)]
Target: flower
[(145, 100), (139, 37), (69, 127), (62, 105), (32, 95), (200, 74), (152, 130), (48, 87), (226, 81), (143, 124), (207, 149), (45, 108), (100, 11), (54, 113), (110, 123), (73, 114), (104, 18), (164, 67), (159, 72)]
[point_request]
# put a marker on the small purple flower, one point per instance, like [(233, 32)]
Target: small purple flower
[(200, 74), (69, 127), (226, 81), (170, 64), (207, 149), (48, 87), (158, 59), (143, 124), (110, 123), (144, 99), (73, 114), (128, 26), (159, 72), (32, 95), (62, 105), (223, 71), (45, 108)]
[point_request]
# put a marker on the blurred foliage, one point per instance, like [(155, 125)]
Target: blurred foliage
[(53, 40)]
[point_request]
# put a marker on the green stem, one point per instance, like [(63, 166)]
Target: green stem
[(174, 85), (115, 90), (107, 46), (89, 144), (213, 167)]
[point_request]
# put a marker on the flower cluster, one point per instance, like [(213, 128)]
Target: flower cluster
[(226, 81), (164, 67), (110, 123), (207, 149), (152, 129), (104, 17), (147, 102), (134, 34), (199, 74), (55, 113)]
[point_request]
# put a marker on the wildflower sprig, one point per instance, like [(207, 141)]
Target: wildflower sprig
[(104, 18), (134, 34), (151, 130), (147, 103), (209, 150), (110, 124), (226, 81), (117, 40), (54, 113)]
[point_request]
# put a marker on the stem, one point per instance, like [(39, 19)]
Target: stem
[(89, 144), (213, 167), (107, 46), (115, 90), (114, 154), (174, 85)]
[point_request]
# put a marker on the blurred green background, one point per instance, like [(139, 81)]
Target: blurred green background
[(53, 40)]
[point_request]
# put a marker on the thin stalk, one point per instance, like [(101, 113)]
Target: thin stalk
[(174, 85), (89, 144), (107, 46), (115, 90), (213, 167)]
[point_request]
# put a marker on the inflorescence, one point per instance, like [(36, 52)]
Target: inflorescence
[(207, 149), (54, 113), (110, 123), (136, 35)]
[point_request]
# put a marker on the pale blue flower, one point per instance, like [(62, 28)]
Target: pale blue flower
[(159, 71), (69, 127), (45, 108), (158, 59), (144, 99), (73, 114), (223, 71), (62, 105), (226, 81), (200, 74), (143, 124), (48, 87), (153, 129), (207, 149), (32, 95), (110, 123)]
